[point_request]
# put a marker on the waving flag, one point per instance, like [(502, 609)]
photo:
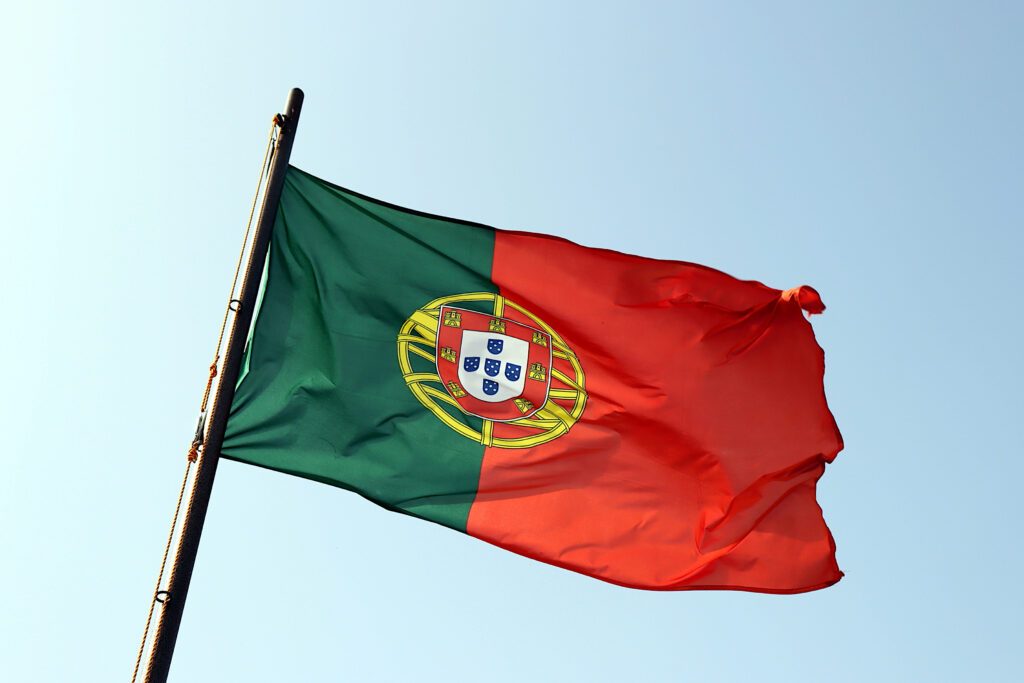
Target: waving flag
[(655, 424)]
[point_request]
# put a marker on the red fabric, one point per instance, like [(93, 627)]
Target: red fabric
[(695, 462)]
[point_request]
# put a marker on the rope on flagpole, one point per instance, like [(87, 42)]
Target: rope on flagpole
[(160, 595)]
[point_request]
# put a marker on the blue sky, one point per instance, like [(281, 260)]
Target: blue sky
[(872, 150)]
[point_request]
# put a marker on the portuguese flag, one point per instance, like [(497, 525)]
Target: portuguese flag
[(654, 424)]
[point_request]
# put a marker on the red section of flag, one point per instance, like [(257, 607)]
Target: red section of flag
[(705, 432)]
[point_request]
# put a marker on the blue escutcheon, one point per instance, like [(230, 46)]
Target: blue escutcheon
[(492, 367), (495, 346), (490, 387), (471, 363), (512, 371)]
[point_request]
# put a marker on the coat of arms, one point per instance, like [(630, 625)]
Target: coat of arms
[(495, 368), (497, 373)]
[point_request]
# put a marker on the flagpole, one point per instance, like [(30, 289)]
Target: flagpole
[(173, 602)]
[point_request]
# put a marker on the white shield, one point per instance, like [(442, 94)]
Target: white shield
[(492, 367)]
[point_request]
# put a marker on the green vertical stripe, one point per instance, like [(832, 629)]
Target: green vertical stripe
[(323, 396)]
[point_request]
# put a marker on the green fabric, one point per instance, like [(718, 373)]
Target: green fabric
[(323, 396)]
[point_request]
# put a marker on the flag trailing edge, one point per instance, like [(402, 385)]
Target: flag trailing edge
[(654, 424)]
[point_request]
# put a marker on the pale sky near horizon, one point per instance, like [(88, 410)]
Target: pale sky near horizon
[(871, 149)]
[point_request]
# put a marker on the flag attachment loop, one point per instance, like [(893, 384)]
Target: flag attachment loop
[(199, 438), (200, 429), (200, 435), (162, 596), (234, 304)]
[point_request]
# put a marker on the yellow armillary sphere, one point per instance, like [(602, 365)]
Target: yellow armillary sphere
[(504, 365)]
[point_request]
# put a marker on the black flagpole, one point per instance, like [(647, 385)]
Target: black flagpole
[(192, 529)]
